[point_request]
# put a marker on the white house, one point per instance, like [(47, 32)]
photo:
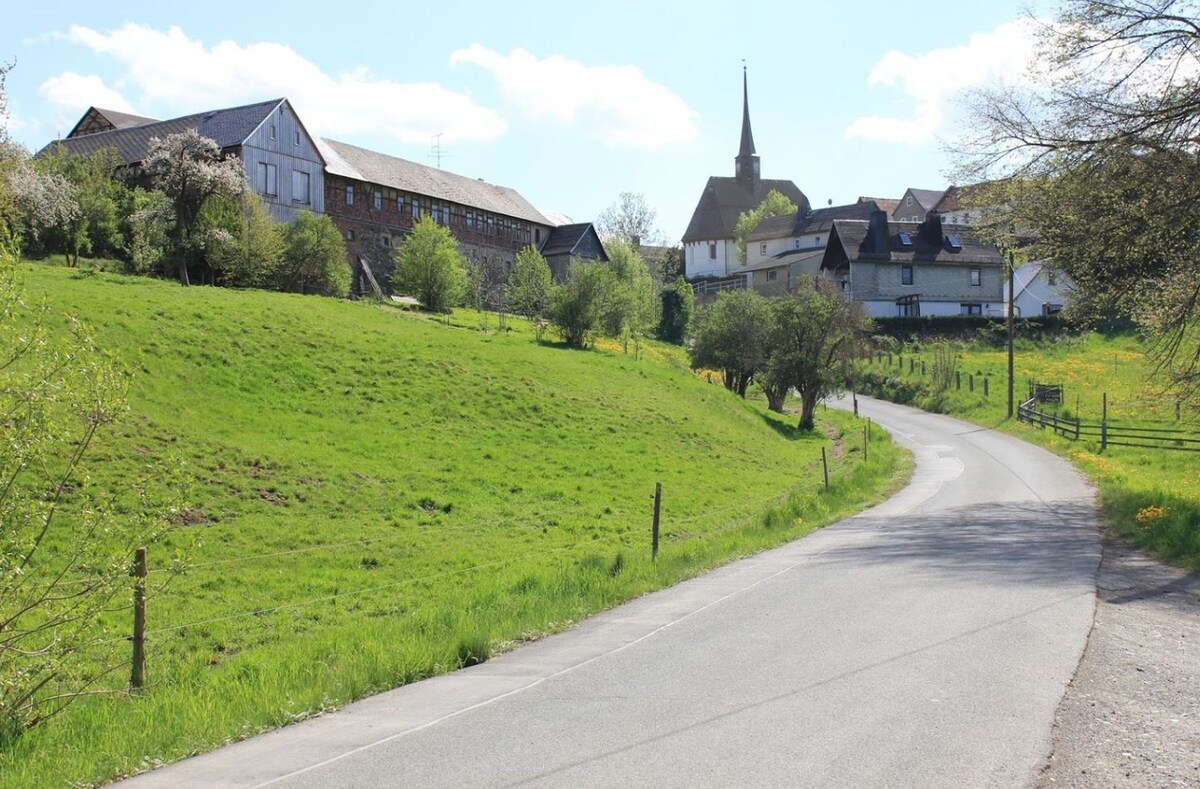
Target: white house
[(1038, 290)]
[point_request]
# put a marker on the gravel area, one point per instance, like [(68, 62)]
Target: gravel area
[(1131, 716)]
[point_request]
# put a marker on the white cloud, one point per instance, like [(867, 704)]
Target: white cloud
[(933, 79), (617, 104), (172, 73), (77, 92)]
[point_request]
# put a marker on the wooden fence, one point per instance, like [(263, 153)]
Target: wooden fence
[(1110, 434)]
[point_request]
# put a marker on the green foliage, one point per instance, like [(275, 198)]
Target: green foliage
[(430, 268), (678, 305), (529, 285), (314, 257), (578, 305), (189, 169), (63, 555), (731, 336), (774, 204), (321, 576), (96, 229), (813, 340), (629, 303), (246, 247), (147, 228), (630, 220)]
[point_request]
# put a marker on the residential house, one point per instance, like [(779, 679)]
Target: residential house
[(914, 269), (784, 249), (916, 204), (1038, 290), (279, 156), (709, 244)]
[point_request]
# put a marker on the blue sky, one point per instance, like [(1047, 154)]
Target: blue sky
[(570, 105)]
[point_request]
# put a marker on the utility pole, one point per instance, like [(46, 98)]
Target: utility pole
[(1011, 329)]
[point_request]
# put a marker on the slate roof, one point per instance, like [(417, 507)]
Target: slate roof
[(856, 243), (229, 127), (118, 120), (817, 221), (725, 198), (886, 203), (926, 198), (362, 164), (564, 239), (786, 258)]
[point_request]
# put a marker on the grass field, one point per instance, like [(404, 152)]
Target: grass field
[(372, 496), (1152, 496)]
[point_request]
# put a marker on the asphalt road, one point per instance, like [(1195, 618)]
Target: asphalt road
[(925, 642)]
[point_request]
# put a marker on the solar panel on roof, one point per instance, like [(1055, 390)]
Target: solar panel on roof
[(905, 240), (954, 241)]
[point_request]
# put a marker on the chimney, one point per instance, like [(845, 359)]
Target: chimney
[(877, 231), (930, 230)]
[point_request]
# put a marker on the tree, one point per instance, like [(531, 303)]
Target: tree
[(731, 336), (96, 228), (63, 556), (813, 338), (147, 231), (530, 283), (1098, 167), (678, 305), (9, 156), (189, 169), (576, 306), (314, 257), (44, 202), (246, 246), (430, 267), (630, 219), (774, 204), (628, 303)]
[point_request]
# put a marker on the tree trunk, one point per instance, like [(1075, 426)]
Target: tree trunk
[(743, 383), (808, 408), (728, 380), (776, 398), (183, 272)]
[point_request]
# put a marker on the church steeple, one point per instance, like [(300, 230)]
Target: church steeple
[(746, 166)]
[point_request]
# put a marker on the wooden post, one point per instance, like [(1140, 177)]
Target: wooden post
[(986, 381), (825, 467), (657, 511), (971, 382), (912, 364), (1104, 424), (855, 398), (889, 358), (922, 367), (138, 678), (957, 380), (866, 431)]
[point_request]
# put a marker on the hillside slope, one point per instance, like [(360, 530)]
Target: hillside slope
[(368, 497)]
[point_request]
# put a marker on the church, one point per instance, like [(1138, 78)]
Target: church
[(709, 245)]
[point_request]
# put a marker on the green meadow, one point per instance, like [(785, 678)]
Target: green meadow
[(1151, 496), (367, 496)]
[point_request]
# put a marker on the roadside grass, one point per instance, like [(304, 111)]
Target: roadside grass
[(1150, 496), (371, 496)]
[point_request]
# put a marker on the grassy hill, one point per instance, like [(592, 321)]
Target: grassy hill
[(1151, 496), (369, 497)]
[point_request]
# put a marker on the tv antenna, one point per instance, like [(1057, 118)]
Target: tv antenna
[(435, 150)]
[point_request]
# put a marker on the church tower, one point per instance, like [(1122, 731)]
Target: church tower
[(746, 166)]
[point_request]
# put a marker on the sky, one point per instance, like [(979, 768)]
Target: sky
[(570, 105)]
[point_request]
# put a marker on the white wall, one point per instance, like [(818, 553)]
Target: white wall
[(939, 309), (698, 263)]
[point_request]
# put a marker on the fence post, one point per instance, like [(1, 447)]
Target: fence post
[(1076, 425), (825, 467), (137, 678), (889, 358), (855, 398), (912, 363), (922, 367), (957, 380), (866, 428), (1104, 424), (985, 386), (654, 531), (971, 382)]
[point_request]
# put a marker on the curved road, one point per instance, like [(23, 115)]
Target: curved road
[(924, 642)]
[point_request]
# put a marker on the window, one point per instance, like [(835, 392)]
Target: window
[(300, 183), (906, 275), (967, 218), (350, 194), (762, 249), (908, 200), (1051, 278), (817, 241), (970, 309), (297, 142), (771, 275), (954, 242), (349, 235), (416, 207), (712, 251), (491, 225), (537, 235), (384, 241), (470, 220), (399, 204), (797, 243), (268, 179), (905, 240), (272, 131), (975, 277), (377, 201)]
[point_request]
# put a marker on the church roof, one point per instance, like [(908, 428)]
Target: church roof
[(724, 199), (819, 220), (747, 146)]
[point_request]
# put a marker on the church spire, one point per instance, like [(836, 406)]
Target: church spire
[(746, 166)]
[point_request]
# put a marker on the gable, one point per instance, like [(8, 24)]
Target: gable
[(725, 199)]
